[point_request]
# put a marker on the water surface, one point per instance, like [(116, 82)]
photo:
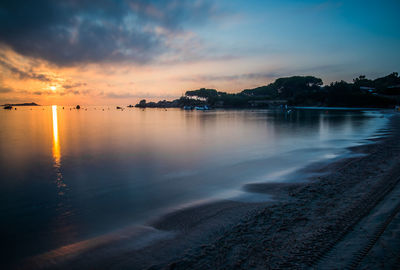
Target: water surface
[(69, 175)]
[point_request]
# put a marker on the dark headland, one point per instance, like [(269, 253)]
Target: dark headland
[(22, 104), (307, 91)]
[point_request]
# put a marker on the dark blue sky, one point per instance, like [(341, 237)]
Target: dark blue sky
[(336, 39)]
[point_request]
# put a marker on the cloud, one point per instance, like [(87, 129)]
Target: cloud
[(23, 74), (327, 5), (121, 95), (281, 72), (246, 76), (328, 68), (74, 85), (5, 90), (136, 95), (73, 32), (71, 91), (60, 93)]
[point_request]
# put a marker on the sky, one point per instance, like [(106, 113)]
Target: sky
[(118, 52)]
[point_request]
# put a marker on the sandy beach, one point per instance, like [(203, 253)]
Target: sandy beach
[(345, 216), (346, 219)]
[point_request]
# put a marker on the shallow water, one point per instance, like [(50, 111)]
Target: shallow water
[(69, 175)]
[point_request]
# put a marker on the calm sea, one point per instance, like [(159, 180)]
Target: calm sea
[(69, 175)]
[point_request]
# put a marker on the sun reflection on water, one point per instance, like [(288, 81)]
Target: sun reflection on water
[(56, 143), (57, 153)]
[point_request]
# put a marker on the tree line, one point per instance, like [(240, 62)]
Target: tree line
[(382, 92)]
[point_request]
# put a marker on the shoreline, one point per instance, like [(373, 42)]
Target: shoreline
[(299, 232), (294, 230), (342, 108)]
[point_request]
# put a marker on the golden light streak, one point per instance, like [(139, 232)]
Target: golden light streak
[(57, 153), (56, 143)]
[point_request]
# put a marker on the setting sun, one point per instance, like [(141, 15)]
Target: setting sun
[(53, 88)]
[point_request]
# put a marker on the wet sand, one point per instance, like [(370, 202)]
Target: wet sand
[(346, 216)]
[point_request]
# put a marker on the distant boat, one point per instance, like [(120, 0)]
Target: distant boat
[(77, 107), (8, 107), (119, 108), (202, 108), (130, 106)]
